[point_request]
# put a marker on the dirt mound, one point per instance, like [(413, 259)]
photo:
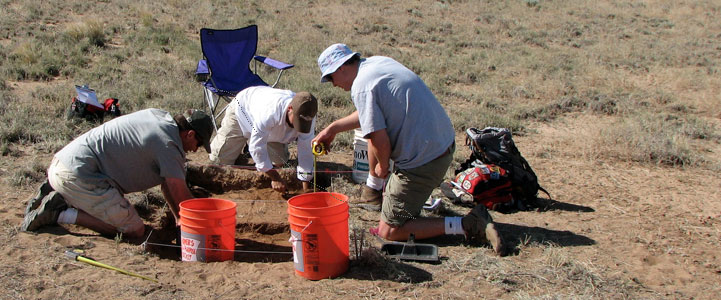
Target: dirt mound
[(219, 179)]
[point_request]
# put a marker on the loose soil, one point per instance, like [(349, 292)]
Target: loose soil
[(611, 230)]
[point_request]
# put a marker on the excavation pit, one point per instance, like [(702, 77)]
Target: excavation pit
[(261, 231)]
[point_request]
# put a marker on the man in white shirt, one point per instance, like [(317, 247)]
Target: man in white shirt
[(267, 119)]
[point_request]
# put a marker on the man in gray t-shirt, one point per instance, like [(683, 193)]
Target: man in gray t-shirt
[(403, 121), (88, 177)]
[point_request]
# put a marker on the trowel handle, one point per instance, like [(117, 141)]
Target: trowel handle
[(71, 255)]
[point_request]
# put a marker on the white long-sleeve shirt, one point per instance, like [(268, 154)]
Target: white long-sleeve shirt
[(261, 115)]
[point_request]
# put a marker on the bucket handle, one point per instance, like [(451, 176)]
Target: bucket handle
[(309, 223), (301, 232)]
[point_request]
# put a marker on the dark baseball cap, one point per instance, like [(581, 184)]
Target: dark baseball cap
[(202, 125), (305, 107)]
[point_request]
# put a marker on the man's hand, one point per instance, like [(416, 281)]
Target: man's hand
[(325, 137), (276, 182), (278, 186), (382, 170), (175, 190)]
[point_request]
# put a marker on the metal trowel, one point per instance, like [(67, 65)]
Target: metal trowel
[(411, 250)]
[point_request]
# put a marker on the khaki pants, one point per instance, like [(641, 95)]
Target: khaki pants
[(408, 189), (228, 143), (101, 201)]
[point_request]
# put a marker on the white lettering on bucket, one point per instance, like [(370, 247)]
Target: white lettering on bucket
[(297, 245), (189, 249), (360, 157)]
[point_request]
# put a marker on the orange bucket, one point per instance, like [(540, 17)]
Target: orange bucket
[(207, 229), (319, 234)]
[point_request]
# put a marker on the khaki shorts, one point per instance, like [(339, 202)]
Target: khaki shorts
[(408, 189), (228, 143), (101, 201)]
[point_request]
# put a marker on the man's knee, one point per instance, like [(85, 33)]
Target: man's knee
[(136, 233)]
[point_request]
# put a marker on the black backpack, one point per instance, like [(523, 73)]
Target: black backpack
[(494, 145)]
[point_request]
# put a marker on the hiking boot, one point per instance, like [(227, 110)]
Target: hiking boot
[(34, 202), (370, 199), (479, 224), (494, 238), (46, 214)]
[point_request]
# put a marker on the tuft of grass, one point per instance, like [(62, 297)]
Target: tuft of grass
[(30, 174), (658, 139), (118, 240), (90, 30), (34, 60), (6, 150)]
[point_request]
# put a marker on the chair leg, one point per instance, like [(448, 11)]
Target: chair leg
[(220, 113), (211, 101), (278, 78)]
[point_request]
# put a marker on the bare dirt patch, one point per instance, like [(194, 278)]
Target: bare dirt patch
[(613, 230)]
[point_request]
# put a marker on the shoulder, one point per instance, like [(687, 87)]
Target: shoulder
[(378, 61), (149, 114), (264, 94)]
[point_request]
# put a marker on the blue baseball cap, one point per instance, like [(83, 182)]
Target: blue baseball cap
[(332, 58)]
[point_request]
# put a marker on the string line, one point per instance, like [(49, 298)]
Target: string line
[(214, 249)]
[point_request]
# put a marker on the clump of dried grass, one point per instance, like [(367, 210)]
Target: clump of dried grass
[(90, 29)]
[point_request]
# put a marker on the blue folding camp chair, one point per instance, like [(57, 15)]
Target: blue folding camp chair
[(225, 67)]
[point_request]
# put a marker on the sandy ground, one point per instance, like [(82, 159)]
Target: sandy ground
[(613, 230)]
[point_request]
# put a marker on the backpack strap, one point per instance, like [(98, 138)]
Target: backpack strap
[(540, 188)]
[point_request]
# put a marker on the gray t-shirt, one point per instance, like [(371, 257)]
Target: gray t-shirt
[(389, 96), (133, 152)]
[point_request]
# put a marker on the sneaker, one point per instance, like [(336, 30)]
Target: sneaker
[(370, 199), (455, 194), (34, 202), (479, 224), (46, 214), (447, 190)]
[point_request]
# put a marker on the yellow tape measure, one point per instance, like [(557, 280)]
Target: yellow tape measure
[(318, 149)]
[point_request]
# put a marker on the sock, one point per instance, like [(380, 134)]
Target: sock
[(68, 216), (453, 225), (375, 183)]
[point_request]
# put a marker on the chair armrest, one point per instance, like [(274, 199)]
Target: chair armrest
[(273, 63), (202, 67), (201, 71)]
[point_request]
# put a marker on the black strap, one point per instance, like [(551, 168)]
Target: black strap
[(544, 190)]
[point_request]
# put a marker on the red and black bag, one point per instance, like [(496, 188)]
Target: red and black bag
[(493, 145), (82, 110), (112, 108), (92, 113), (489, 184)]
